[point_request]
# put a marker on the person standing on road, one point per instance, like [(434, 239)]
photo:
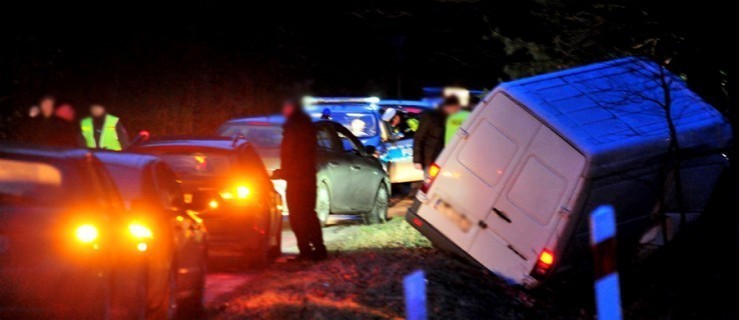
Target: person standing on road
[(102, 130), (429, 139), (455, 117), (298, 158), (44, 128), (68, 133)]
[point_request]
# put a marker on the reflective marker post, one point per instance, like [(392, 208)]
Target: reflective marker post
[(414, 286), (603, 242)]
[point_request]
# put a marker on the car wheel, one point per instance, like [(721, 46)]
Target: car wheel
[(275, 251), (193, 307), (323, 203), (379, 209), (260, 256), (166, 306)]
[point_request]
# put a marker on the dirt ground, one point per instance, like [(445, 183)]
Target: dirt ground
[(693, 278)]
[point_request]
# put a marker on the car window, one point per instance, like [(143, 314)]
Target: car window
[(198, 164), (30, 182), (325, 138), (361, 124), (263, 136), (169, 189), (349, 143), (127, 180), (103, 186)]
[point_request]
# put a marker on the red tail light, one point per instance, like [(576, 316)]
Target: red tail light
[(433, 172), (543, 264)]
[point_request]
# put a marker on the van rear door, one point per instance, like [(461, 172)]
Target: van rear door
[(474, 170), (531, 206)]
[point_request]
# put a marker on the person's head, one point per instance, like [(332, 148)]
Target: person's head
[(65, 112), (97, 110), (33, 111), (288, 108), (451, 105), (46, 105), (391, 116), (357, 127)]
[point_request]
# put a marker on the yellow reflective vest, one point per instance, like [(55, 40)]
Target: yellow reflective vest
[(108, 136), (453, 122)]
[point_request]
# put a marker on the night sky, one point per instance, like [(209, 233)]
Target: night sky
[(199, 64)]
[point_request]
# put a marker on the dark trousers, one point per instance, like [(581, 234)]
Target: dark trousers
[(301, 201)]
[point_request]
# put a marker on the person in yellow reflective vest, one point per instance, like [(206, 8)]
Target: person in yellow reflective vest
[(102, 130), (400, 123), (454, 119)]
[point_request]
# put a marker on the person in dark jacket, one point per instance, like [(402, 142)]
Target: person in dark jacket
[(69, 131), (429, 139), (45, 128), (298, 161)]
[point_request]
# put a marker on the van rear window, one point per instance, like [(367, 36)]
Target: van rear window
[(29, 182)]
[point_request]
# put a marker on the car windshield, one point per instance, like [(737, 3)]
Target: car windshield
[(198, 164), (262, 136), (361, 124), (30, 182)]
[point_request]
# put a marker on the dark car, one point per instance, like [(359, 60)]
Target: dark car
[(226, 182), (176, 247), (351, 180), (64, 249)]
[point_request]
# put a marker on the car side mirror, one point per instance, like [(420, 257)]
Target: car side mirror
[(371, 150), (277, 174)]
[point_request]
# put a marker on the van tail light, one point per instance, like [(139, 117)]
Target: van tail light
[(433, 172), (543, 264)]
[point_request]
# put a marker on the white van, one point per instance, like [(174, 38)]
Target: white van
[(512, 190)]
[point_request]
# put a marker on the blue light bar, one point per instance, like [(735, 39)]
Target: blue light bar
[(324, 100)]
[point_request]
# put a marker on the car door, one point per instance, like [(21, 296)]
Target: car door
[(187, 230), (365, 171), (333, 168)]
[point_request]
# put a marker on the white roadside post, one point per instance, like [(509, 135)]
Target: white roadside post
[(603, 241), (414, 286)]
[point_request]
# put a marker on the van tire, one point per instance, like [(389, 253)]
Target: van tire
[(323, 203), (378, 214)]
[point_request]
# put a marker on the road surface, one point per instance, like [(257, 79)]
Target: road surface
[(227, 277)]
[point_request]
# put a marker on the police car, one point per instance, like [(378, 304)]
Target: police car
[(363, 117)]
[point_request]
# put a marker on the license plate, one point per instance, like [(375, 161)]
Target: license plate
[(458, 218)]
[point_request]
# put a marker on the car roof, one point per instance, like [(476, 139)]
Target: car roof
[(42, 152), (272, 119), (212, 142), (356, 107), (125, 159), (405, 103)]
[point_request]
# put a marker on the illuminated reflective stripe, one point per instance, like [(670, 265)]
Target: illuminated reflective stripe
[(414, 287), (603, 241)]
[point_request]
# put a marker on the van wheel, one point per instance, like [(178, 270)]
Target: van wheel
[(323, 203), (379, 209)]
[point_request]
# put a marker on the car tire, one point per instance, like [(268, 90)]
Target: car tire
[(276, 250), (193, 307), (378, 214), (323, 203), (167, 307), (258, 257)]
